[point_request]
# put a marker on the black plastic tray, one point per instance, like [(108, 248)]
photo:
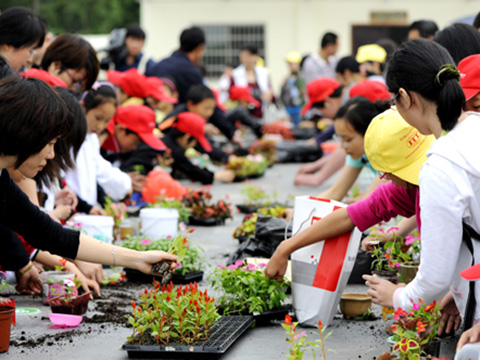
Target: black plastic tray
[(138, 276), (248, 209), (224, 333), (265, 318), (199, 221), (239, 178)]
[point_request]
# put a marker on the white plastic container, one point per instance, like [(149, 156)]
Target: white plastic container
[(158, 223), (97, 226), (53, 283)]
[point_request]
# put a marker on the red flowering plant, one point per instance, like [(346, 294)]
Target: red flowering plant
[(299, 342), (200, 203), (266, 148), (413, 330), (248, 166), (166, 315), (278, 127)]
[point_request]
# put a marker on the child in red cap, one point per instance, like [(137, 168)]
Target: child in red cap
[(183, 132), (241, 112), (131, 86)]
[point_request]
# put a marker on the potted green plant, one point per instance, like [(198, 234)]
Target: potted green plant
[(190, 261), (244, 289), (414, 331), (266, 148), (248, 167), (70, 302), (410, 258), (54, 281), (383, 265), (247, 228), (7, 316), (204, 211)]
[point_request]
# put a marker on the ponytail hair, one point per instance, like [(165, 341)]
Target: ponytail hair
[(101, 92), (428, 69), (360, 111)]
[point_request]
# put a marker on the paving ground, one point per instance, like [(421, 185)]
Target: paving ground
[(97, 339)]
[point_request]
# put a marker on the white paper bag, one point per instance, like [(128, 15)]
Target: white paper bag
[(320, 271)]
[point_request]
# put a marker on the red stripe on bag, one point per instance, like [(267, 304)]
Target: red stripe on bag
[(331, 261), (319, 199)]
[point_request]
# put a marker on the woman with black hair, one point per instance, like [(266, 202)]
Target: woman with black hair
[(32, 118), (461, 40), (425, 81), (21, 32)]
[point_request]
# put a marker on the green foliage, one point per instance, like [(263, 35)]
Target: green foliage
[(184, 315), (190, 258), (84, 17), (248, 165), (247, 228), (245, 289), (254, 195)]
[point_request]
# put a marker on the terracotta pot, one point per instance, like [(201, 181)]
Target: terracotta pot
[(6, 314), (407, 272), (353, 305)]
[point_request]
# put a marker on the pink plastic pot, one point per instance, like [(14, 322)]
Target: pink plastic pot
[(65, 319)]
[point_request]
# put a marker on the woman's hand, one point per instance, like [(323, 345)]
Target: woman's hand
[(91, 271), (381, 290), (29, 282), (66, 197), (277, 265), (146, 259)]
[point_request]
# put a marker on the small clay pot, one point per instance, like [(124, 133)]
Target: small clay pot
[(353, 305), (6, 315)]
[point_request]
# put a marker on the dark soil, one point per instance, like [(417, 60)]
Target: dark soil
[(50, 339), (112, 312), (163, 269)]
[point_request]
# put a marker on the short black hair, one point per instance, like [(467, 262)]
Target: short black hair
[(476, 22), (101, 95), (347, 63), (415, 67), (328, 39), (197, 93), (5, 69), (250, 47), (461, 40), (426, 28), (136, 32), (20, 27), (63, 160), (338, 92), (31, 115), (73, 52), (191, 38)]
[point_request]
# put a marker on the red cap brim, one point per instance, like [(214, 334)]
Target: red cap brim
[(204, 143), (114, 77), (254, 102), (152, 141), (470, 93), (307, 107), (472, 273)]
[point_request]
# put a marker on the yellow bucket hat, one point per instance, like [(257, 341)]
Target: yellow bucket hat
[(393, 146), (371, 52), (294, 57)]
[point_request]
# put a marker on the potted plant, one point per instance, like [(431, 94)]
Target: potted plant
[(244, 289), (254, 198), (279, 128), (247, 228), (204, 212), (7, 316), (383, 265), (70, 302), (190, 261), (414, 332), (409, 259), (54, 281), (266, 148), (183, 211), (250, 166), (355, 305)]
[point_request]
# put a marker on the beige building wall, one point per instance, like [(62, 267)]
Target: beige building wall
[(289, 24)]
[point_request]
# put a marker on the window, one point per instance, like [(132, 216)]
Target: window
[(224, 43)]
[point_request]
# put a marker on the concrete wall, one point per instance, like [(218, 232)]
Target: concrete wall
[(289, 24)]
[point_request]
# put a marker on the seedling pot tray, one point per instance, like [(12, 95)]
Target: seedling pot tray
[(138, 276), (265, 318), (201, 221), (248, 209), (224, 333)]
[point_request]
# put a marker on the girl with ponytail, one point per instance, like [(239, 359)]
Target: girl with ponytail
[(428, 95)]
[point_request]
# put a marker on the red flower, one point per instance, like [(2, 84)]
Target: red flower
[(168, 298), (320, 323), (133, 305), (62, 262), (190, 230), (420, 327), (288, 320)]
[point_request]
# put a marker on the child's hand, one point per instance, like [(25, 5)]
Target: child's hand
[(97, 211), (470, 336), (226, 176)]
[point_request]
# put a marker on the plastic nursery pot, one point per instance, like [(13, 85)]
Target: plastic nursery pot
[(407, 272), (53, 283), (432, 348), (386, 274), (353, 305), (75, 306), (6, 315)]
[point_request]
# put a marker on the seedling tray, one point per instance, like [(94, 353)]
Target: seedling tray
[(265, 318), (200, 221), (224, 333), (138, 276)]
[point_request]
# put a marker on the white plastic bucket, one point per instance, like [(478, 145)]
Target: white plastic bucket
[(158, 223), (96, 226)]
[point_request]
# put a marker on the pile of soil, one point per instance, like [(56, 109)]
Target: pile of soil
[(49, 340), (112, 312)]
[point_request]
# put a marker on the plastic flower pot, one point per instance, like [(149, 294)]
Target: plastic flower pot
[(353, 305), (76, 305), (432, 348), (65, 319), (6, 315), (53, 283), (407, 272), (386, 274)]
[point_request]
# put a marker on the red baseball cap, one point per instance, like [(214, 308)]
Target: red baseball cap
[(194, 125), (243, 93), (45, 76), (131, 81), (470, 75), (141, 120), (372, 90), (471, 273), (319, 90), (155, 90), (217, 100)]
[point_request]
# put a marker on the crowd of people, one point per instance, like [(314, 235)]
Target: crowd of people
[(407, 114)]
